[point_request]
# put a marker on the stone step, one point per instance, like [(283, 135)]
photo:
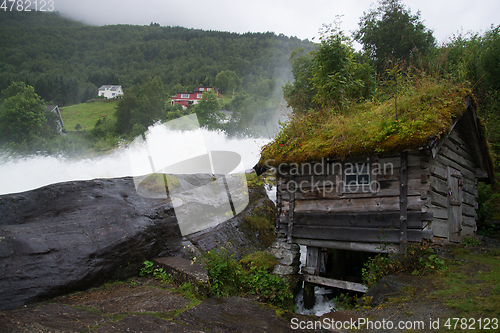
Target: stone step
[(182, 270)]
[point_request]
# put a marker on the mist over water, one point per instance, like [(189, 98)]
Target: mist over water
[(23, 174)]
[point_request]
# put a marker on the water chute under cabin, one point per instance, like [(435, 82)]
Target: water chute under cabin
[(377, 177)]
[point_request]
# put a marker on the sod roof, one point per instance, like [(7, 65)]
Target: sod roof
[(419, 115)]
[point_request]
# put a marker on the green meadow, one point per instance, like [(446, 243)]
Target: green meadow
[(87, 114)]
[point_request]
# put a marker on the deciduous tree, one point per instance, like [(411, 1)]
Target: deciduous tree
[(208, 110), (299, 94), (391, 30), (227, 81), (22, 115), (142, 104)]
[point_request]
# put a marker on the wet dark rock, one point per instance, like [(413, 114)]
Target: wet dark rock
[(250, 231), (146, 305), (71, 236), (143, 295), (49, 318), (234, 314), (183, 270), (146, 324), (74, 235)]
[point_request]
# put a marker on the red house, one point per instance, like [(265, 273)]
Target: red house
[(186, 99)]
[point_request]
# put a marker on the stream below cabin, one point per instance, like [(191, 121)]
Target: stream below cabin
[(323, 295)]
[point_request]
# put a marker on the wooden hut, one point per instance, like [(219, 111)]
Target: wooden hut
[(405, 176)]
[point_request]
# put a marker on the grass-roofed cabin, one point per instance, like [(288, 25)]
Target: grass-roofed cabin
[(389, 172)]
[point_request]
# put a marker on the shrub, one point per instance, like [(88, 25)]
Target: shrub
[(419, 259), (158, 273), (251, 275), (471, 241), (224, 272)]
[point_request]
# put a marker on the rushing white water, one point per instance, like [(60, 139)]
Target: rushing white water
[(19, 175), (323, 304)]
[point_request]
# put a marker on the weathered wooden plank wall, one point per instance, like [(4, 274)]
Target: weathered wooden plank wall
[(324, 210), (456, 155)]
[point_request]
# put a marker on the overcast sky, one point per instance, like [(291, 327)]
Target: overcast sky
[(300, 18)]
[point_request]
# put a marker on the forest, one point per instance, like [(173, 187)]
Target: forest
[(66, 62)]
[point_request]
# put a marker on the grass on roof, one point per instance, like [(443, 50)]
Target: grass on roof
[(425, 111)]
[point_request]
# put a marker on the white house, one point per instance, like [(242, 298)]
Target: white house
[(109, 91)]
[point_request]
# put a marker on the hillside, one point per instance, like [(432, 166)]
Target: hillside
[(87, 114), (66, 61)]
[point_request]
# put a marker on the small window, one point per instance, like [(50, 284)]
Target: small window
[(199, 95), (201, 89), (209, 89), (357, 177), (184, 95)]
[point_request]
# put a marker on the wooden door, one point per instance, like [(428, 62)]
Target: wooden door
[(454, 204)]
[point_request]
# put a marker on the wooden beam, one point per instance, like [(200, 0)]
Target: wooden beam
[(438, 199), (279, 204), (460, 160), (387, 188), (350, 246), (403, 206), (372, 204), (313, 260), (444, 160), (290, 214), (457, 148), (459, 142), (481, 173), (347, 285), (389, 219), (439, 186), (364, 235)]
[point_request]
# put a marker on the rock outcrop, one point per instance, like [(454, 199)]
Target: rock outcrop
[(70, 236), (146, 305), (250, 231)]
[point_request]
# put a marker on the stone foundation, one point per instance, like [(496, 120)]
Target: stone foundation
[(288, 256)]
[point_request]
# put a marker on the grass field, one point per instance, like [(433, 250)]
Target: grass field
[(87, 114)]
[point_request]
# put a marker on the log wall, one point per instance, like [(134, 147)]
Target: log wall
[(454, 158), (326, 211)]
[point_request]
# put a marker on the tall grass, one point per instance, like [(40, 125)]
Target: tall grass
[(87, 114)]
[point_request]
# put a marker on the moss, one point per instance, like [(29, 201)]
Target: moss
[(424, 113), (159, 182), (260, 260), (254, 181), (261, 221)]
